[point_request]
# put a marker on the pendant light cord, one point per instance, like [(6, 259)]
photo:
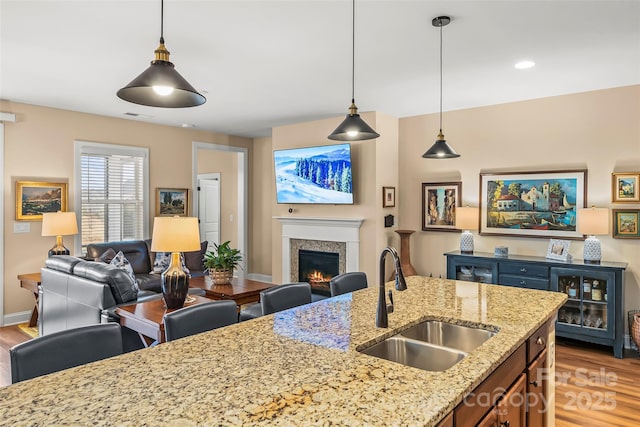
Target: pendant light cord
[(162, 21), (441, 77), (353, 51)]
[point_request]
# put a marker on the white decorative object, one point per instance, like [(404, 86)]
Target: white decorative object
[(593, 221), (559, 249), (466, 219)]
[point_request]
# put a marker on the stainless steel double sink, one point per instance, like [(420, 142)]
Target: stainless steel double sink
[(431, 345)]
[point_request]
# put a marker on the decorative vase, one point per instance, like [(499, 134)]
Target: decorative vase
[(175, 283), (405, 252), (221, 277), (635, 330)]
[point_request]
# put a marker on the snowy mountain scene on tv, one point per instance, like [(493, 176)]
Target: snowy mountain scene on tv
[(314, 175)]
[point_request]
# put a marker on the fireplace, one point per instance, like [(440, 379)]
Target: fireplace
[(334, 235), (317, 268)]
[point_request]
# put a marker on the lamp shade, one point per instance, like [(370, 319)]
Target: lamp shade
[(175, 234), (593, 221), (467, 218), (144, 90), (59, 224), (353, 128), (440, 150)]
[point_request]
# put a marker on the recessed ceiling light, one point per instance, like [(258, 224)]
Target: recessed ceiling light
[(523, 65), (188, 125)]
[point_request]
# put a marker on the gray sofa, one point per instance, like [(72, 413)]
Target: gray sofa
[(77, 292)]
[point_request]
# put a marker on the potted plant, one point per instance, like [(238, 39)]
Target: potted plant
[(221, 262)]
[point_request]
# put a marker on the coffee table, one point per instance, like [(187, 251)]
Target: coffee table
[(242, 291), (147, 318)]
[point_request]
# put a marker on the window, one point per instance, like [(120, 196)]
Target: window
[(111, 191)]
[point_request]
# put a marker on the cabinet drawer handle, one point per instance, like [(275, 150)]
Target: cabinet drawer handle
[(534, 383), (540, 341), (523, 270), (523, 282), (505, 424)]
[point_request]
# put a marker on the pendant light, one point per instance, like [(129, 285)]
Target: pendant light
[(161, 85), (353, 128), (440, 149)]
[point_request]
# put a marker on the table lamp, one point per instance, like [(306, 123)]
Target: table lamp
[(59, 224), (467, 220), (592, 221), (175, 234)]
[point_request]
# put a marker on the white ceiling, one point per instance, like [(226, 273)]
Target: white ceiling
[(269, 63)]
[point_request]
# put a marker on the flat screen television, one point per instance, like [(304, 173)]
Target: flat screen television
[(314, 175)]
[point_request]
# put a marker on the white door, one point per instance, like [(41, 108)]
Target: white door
[(209, 207)]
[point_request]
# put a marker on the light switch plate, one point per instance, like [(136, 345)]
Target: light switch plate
[(21, 227)]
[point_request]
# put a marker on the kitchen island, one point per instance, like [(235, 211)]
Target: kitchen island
[(297, 367)]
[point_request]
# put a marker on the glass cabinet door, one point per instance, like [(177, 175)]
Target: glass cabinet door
[(586, 309)]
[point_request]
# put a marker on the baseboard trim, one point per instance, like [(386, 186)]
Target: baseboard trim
[(16, 318), (259, 277)]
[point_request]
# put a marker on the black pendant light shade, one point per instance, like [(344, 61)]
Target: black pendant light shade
[(353, 128), (161, 85), (440, 149)]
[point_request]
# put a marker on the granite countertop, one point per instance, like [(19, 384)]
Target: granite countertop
[(297, 367)]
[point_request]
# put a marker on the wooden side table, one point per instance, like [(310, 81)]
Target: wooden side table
[(31, 282)]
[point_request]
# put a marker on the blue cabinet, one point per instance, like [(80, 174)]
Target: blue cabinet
[(589, 316)]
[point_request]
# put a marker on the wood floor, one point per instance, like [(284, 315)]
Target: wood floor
[(593, 389)]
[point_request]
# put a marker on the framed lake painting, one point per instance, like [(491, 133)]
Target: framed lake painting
[(439, 202), (33, 198), (532, 204)]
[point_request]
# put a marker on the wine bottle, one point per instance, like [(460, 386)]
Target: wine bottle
[(586, 290), (596, 291), (573, 289)]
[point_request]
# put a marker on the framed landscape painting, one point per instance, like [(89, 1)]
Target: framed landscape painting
[(172, 201), (625, 187), (33, 198), (532, 204), (626, 223), (439, 202)]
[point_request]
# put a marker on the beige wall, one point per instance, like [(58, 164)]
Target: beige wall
[(39, 145), (598, 131), (374, 165), (262, 193), (225, 163)]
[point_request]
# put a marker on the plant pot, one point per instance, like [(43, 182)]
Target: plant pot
[(221, 277)]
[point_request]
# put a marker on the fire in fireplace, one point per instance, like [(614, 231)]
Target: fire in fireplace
[(317, 268)]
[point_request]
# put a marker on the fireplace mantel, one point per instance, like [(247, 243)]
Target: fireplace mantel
[(345, 230)]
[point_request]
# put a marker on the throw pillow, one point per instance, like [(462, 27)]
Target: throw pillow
[(123, 263), (107, 256), (162, 261), (195, 259)]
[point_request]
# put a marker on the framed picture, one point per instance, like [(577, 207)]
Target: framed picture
[(388, 197), (626, 223), (439, 202), (559, 249), (172, 201), (624, 187), (33, 198), (532, 204)]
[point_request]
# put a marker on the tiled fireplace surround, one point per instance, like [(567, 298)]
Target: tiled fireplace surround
[(337, 235)]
